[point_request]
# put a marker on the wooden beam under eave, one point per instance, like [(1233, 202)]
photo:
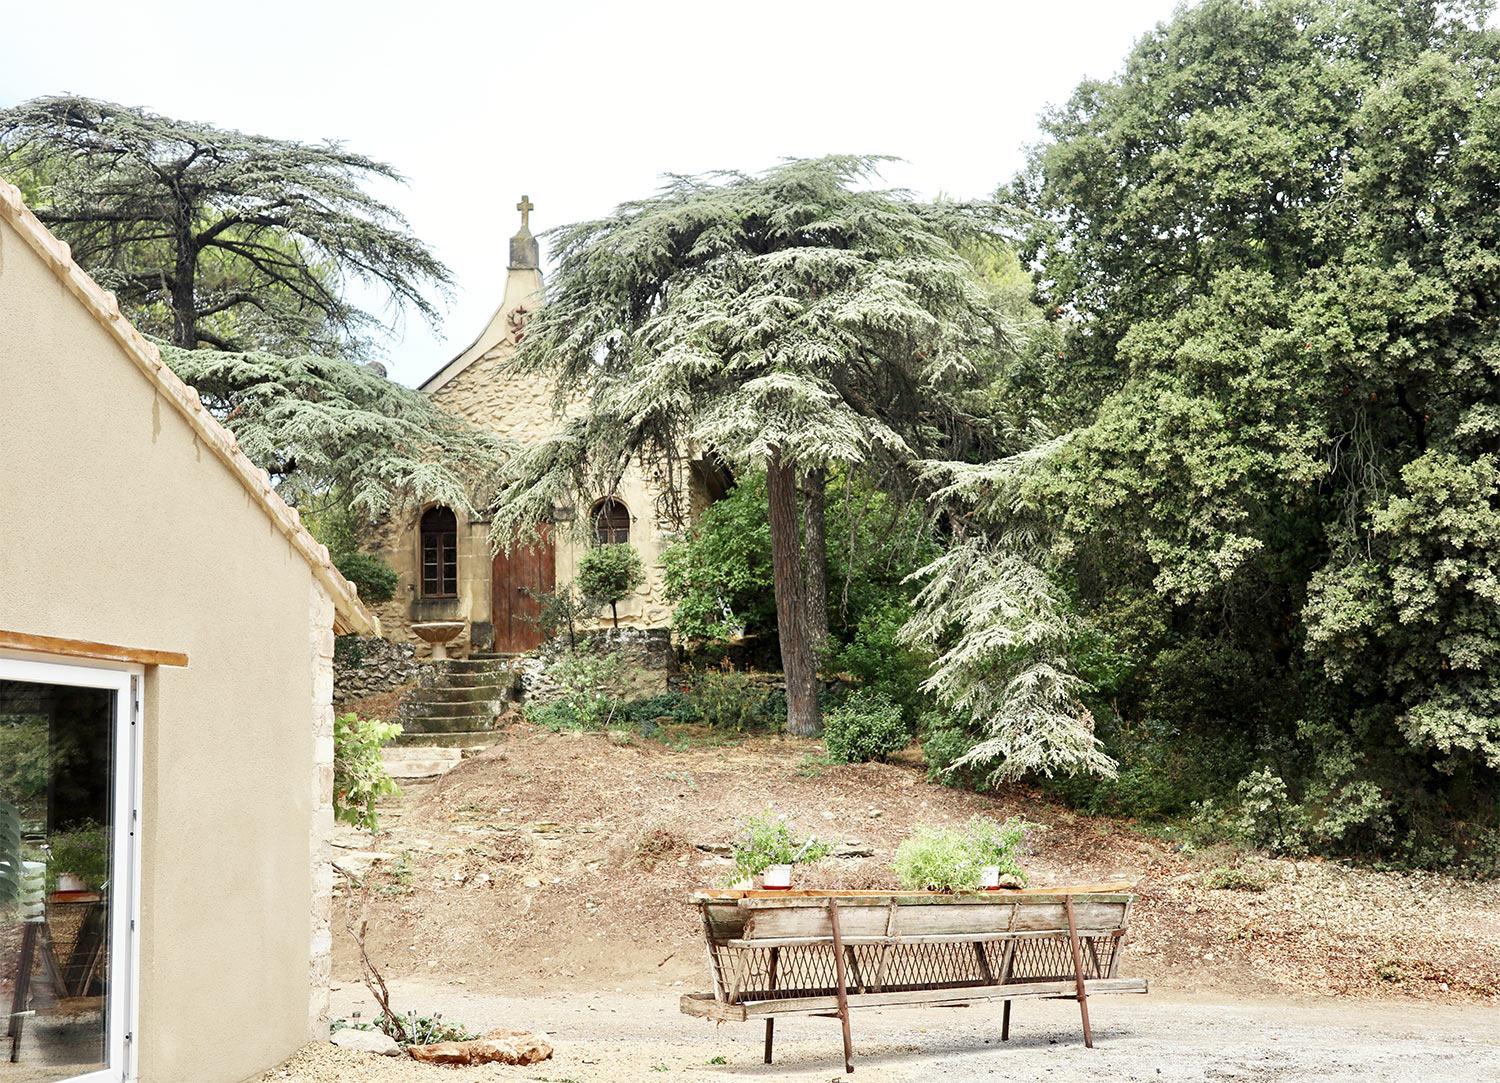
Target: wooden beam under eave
[(82, 648)]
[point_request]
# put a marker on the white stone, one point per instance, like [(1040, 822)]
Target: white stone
[(367, 1041)]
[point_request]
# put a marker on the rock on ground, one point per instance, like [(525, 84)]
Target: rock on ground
[(366, 1041)]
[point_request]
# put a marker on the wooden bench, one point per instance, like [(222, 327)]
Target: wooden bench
[(773, 953)]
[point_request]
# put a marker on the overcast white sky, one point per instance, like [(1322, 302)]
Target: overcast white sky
[(582, 104)]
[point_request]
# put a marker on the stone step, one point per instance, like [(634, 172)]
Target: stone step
[(459, 739), (408, 761), (455, 724), (492, 656), (470, 680), (459, 666), (460, 709), (443, 693)]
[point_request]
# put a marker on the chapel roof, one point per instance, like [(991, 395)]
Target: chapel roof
[(351, 615)]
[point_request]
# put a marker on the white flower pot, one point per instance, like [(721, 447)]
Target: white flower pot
[(66, 881), (989, 877), (777, 877)]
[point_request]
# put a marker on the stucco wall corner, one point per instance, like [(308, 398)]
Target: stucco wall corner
[(320, 963)]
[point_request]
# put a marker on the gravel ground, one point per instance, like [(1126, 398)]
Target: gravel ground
[(609, 1037)]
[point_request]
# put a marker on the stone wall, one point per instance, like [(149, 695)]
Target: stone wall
[(368, 666), (646, 654)]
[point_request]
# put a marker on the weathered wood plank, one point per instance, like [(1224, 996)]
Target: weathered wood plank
[(918, 997), (860, 920), (83, 648)]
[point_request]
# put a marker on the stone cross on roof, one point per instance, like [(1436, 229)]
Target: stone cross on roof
[(524, 252)]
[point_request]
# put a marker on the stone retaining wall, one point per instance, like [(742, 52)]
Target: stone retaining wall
[(647, 651), (367, 666)]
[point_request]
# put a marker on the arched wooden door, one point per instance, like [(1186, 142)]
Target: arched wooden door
[(519, 580)]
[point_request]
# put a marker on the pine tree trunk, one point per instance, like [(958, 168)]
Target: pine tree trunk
[(184, 299), (803, 717), (815, 562)]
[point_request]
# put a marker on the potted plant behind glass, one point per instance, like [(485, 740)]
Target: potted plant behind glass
[(767, 846), (78, 859)]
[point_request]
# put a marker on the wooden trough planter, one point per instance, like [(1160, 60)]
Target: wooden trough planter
[(774, 953)]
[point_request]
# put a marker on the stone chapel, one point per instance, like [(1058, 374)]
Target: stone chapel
[(442, 558)]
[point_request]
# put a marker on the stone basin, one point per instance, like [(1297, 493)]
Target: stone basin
[(438, 633)]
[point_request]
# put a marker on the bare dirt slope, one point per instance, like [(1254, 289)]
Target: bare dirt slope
[(557, 863)]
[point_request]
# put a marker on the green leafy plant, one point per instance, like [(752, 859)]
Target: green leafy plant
[(767, 839), (1237, 878), (866, 726), (586, 681), (998, 844), (83, 851), (359, 774), (938, 858), (375, 579), (952, 859), (608, 574), (726, 698)]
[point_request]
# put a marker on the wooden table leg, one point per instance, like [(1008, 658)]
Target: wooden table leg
[(1083, 999), (22, 989), (840, 988), (770, 986), (1005, 1023)]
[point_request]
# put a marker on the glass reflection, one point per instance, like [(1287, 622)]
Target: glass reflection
[(56, 744)]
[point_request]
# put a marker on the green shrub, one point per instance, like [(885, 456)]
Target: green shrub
[(952, 859), (587, 699), (866, 726), (375, 578), (1237, 878), (359, 774), (767, 839), (642, 712), (724, 698), (936, 857), (608, 574)]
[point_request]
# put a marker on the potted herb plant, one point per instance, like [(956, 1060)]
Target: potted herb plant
[(997, 847), (975, 857), (767, 846)]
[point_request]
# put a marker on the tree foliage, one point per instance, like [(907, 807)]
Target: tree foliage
[(337, 437), (789, 321), (1269, 247), (608, 574), (212, 237)]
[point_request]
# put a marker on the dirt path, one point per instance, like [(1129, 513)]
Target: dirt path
[(618, 1038)]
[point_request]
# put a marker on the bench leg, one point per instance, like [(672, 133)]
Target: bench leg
[(840, 986), (1004, 1024), (770, 1031), (1083, 997)]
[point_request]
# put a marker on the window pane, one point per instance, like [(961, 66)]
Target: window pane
[(56, 880)]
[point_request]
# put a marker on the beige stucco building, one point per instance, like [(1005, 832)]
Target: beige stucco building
[(442, 558), (143, 559)]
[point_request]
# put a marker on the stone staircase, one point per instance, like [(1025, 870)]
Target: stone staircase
[(457, 701)]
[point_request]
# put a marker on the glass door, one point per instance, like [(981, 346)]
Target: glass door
[(68, 883)]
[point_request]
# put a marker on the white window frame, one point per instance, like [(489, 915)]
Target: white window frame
[(126, 682)]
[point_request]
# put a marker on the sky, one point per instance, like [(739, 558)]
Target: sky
[(582, 105)]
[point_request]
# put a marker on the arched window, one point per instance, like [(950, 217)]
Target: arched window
[(611, 523), (439, 532)]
